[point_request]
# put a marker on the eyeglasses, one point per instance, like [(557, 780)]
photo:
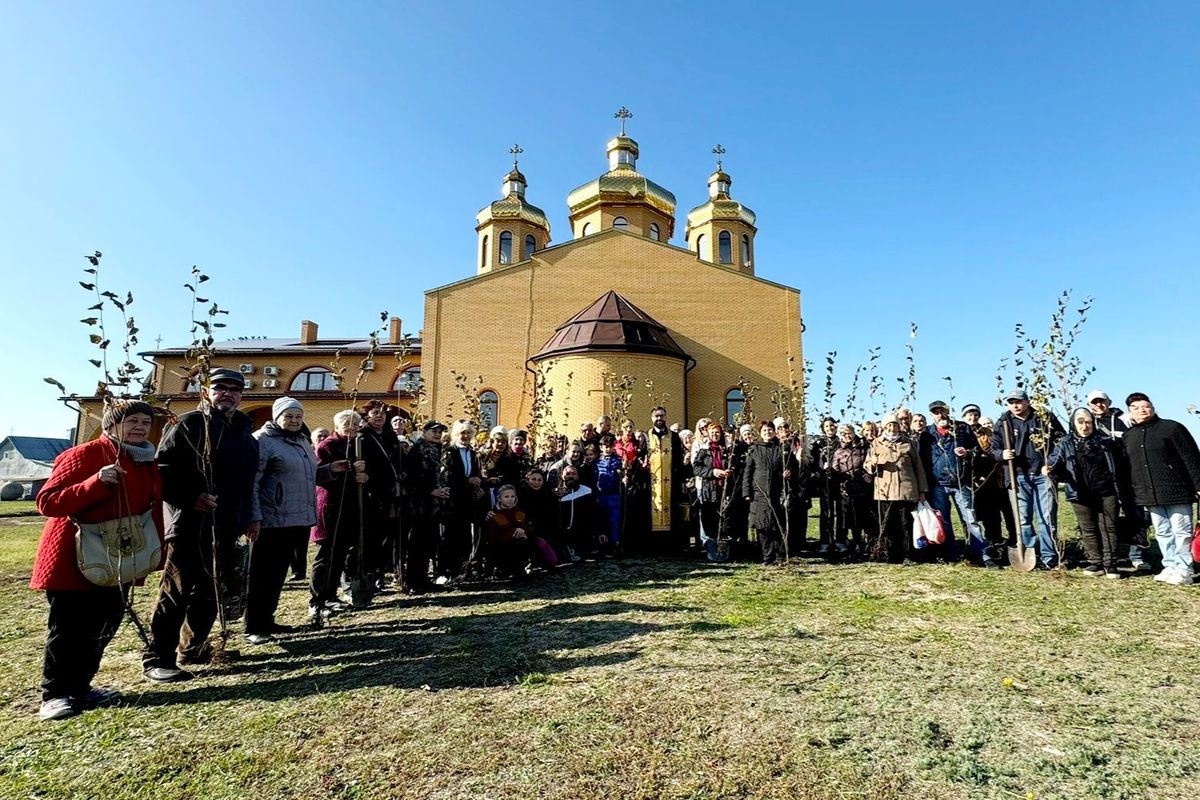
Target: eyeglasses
[(226, 389)]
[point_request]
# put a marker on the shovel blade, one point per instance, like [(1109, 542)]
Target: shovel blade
[(1022, 559)]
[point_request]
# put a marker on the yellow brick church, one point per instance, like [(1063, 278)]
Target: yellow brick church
[(619, 299)]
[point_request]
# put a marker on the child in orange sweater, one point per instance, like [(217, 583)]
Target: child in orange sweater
[(510, 539)]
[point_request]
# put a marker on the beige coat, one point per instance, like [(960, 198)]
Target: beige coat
[(899, 474)]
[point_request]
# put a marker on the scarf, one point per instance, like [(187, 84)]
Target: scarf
[(138, 453)]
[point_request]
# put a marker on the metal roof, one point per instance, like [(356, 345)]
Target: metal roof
[(37, 448), (612, 323)]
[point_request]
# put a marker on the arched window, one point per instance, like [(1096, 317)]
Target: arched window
[(483, 252), (314, 379), (702, 248), (725, 248), (587, 228), (506, 247), (654, 232), (489, 409), (530, 246), (621, 224), (745, 250), (735, 401), (408, 381)]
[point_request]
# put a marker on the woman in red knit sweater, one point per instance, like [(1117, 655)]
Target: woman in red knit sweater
[(108, 478)]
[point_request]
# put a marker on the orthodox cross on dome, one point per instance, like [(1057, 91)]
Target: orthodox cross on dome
[(718, 151), (623, 114), (516, 151)]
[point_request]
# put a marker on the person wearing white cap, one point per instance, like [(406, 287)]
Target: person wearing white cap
[(285, 509), (1108, 418)]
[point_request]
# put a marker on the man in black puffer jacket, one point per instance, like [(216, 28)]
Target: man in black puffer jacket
[(1165, 467)]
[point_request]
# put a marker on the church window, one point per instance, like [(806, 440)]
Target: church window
[(530, 246), (314, 379), (654, 232), (408, 381), (587, 228), (702, 248), (745, 250), (506, 248), (489, 409), (620, 223), (725, 248), (735, 401), (483, 252)]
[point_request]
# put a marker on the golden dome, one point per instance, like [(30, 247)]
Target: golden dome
[(513, 205), (720, 205), (622, 183)]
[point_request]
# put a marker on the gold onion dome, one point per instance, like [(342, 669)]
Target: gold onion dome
[(513, 204), (622, 183), (720, 205)]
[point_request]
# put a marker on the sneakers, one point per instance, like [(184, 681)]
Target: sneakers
[(258, 638), (823, 549), (1177, 578), (1165, 576), (166, 674), (1139, 565), (98, 696), (841, 547), (992, 563), (1093, 571), (315, 612), (1113, 575), (571, 554), (58, 708)]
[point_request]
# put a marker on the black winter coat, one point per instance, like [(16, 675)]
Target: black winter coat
[(712, 489), (1091, 468), (234, 462), (1030, 457), (762, 482), (1163, 461)]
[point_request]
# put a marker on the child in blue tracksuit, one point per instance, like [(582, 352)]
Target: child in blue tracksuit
[(608, 491)]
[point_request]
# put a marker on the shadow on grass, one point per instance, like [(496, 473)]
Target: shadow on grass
[(490, 646)]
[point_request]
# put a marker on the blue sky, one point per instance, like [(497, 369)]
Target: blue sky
[(953, 164)]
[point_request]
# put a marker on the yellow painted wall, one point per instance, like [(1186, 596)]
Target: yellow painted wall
[(733, 324), (581, 394)]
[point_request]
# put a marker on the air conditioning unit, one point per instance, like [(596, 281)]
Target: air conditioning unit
[(249, 384), (368, 365), (270, 370), (270, 383), (246, 369)]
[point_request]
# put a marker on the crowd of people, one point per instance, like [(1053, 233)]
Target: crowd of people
[(389, 509)]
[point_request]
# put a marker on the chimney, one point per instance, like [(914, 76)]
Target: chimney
[(308, 332), (394, 334)]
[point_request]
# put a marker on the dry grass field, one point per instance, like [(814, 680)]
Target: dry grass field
[(648, 679)]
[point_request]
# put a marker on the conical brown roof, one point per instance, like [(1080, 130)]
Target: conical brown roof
[(612, 323)]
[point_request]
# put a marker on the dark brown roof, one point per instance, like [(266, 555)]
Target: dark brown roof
[(612, 323)]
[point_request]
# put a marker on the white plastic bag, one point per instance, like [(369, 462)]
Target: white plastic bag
[(927, 525)]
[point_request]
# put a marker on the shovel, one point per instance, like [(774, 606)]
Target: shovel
[(1020, 558)]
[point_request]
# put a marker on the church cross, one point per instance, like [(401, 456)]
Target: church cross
[(623, 114), (516, 151), (718, 151)]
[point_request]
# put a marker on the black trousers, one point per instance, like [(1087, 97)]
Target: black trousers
[(455, 547), (270, 555), (771, 542), (423, 538), (829, 511), (896, 526), (1098, 526), (856, 516), (299, 559), (79, 627), (187, 601), (335, 554), (994, 512)]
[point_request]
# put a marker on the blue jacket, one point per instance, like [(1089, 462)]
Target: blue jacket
[(608, 475), (1029, 460), (942, 466)]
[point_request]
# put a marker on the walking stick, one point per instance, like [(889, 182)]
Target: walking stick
[(359, 595), (787, 498), (1021, 558)]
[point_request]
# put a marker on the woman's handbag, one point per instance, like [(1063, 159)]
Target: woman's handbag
[(118, 551), (928, 525)]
